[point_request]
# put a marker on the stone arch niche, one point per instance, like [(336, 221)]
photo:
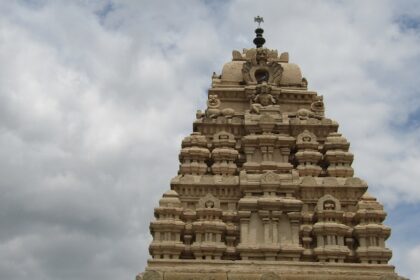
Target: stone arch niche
[(328, 200), (330, 231), (261, 68), (209, 201), (307, 155), (209, 229), (224, 138)]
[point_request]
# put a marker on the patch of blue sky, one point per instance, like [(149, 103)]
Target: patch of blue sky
[(216, 5), (408, 23), (105, 9), (404, 219), (411, 122), (33, 3), (400, 87)]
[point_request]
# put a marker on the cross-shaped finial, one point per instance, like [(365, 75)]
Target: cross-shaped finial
[(259, 20)]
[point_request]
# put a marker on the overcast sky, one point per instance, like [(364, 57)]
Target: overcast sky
[(95, 97)]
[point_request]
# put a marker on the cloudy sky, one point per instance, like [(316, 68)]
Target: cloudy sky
[(95, 97)]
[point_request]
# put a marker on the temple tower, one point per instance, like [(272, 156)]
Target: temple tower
[(265, 188)]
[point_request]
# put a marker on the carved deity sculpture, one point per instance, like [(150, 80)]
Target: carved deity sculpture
[(262, 99), (261, 56)]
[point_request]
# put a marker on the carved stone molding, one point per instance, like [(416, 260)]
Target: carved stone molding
[(270, 276), (152, 275)]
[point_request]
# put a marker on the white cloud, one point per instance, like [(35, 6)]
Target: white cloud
[(95, 98), (413, 260)]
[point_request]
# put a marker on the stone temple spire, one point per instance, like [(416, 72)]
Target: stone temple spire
[(259, 39), (265, 188)]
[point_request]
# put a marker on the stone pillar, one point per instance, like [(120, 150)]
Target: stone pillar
[(275, 219), (249, 152), (295, 223), (244, 226), (265, 216)]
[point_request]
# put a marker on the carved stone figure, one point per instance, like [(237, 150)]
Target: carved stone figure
[(209, 204), (236, 55), (329, 205), (213, 104), (318, 106), (213, 108), (261, 56), (263, 98), (304, 114)]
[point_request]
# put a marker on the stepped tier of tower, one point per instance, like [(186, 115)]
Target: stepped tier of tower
[(265, 184)]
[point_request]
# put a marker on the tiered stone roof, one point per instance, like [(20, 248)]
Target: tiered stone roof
[(265, 187)]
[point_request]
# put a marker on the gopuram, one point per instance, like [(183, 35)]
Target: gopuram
[(265, 188)]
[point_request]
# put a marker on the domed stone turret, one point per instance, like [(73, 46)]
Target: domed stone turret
[(232, 71), (167, 228), (170, 199), (265, 188), (370, 231)]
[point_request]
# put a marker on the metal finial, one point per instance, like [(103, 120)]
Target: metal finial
[(258, 19), (259, 40)]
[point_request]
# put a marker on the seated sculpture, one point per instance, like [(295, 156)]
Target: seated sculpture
[(262, 99)]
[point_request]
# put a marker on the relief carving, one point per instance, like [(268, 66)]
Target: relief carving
[(270, 276), (152, 275), (270, 177)]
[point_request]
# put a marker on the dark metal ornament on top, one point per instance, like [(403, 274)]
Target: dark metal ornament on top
[(259, 40)]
